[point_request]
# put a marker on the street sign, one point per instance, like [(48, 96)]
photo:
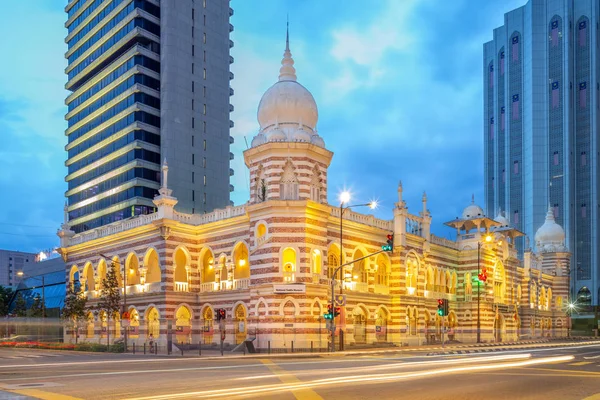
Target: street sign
[(340, 300)]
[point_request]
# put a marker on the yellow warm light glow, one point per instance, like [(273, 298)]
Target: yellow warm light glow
[(20, 273), (500, 242), (373, 205), (488, 238), (345, 197), (242, 262)]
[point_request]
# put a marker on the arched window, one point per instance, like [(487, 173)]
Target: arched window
[(132, 268), (90, 325), (181, 261), (412, 274), (101, 273), (288, 261), (153, 322), (454, 282), (332, 262), (315, 185), (152, 266), (549, 299), (261, 233), (499, 283), (241, 262), (382, 272), (468, 287), (316, 261), (207, 265), (288, 187), (584, 297), (88, 273), (261, 185), (359, 272), (430, 285), (183, 324)]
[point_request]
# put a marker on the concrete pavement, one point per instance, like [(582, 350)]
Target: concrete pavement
[(566, 371)]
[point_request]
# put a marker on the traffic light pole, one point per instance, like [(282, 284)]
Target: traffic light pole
[(333, 293), (478, 293)]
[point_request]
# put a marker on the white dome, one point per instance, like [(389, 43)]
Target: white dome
[(550, 236), (317, 140), (502, 220), (287, 102), (300, 135), (258, 140), (472, 210), (275, 135), (288, 108)]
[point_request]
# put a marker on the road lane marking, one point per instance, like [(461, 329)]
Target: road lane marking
[(356, 379), (287, 377), (581, 363), (463, 360), (591, 358), (39, 394)]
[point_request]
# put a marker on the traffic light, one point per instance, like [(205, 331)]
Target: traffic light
[(389, 246), (337, 311), (329, 314), (482, 276), (221, 314), (443, 307)]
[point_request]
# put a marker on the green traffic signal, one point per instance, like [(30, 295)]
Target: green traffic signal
[(440, 312), (327, 316)]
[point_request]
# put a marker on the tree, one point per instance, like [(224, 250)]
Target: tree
[(36, 309), (75, 308), (6, 295), (110, 296), (20, 306)]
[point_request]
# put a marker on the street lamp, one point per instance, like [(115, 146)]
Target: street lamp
[(344, 199), (488, 239)]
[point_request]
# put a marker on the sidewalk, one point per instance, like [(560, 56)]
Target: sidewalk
[(431, 350)]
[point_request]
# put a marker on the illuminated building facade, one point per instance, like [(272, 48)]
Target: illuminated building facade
[(268, 263)]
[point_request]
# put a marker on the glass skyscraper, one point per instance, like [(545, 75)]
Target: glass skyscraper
[(541, 127), (149, 81)]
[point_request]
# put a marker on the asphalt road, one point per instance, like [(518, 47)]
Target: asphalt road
[(565, 372)]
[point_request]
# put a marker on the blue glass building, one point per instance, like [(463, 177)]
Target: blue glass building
[(149, 80), (541, 127)]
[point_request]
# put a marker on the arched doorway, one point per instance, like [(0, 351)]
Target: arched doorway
[(90, 325), (360, 325), (207, 331), (181, 259), (134, 324), (240, 323), (153, 323), (381, 325), (452, 325), (151, 262), (241, 268), (183, 325), (498, 327), (132, 269)]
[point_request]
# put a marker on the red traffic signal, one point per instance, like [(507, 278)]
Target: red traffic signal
[(337, 312)]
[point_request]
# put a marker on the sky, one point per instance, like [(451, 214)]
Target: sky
[(398, 86)]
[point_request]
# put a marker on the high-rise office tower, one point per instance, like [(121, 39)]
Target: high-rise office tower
[(541, 127), (149, 81)]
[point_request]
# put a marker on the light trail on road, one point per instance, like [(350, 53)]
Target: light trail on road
[(365, 379)]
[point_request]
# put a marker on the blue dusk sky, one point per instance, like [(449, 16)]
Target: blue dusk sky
[(398, 85)]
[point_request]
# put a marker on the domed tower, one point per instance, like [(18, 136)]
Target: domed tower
[(550, 237), (288, 159)]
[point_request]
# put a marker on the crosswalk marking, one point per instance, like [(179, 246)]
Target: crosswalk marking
[(581, 363)]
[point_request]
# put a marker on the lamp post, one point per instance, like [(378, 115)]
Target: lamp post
[(344, 199), (21, 274), (488, 239), (124, 298)]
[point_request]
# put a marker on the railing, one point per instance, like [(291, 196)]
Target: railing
[(382, 289), (316, 278), (208, 287), (359, 287), (243, 283), (181, 286), (113, 228), (443, 242), (141, 220), (216, 215), (370, 220), (429, 294)]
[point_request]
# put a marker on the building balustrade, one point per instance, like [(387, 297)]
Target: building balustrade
[(382, 289), (181, 286), (430, 294)]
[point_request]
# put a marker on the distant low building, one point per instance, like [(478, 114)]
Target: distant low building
[(11, 262)]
